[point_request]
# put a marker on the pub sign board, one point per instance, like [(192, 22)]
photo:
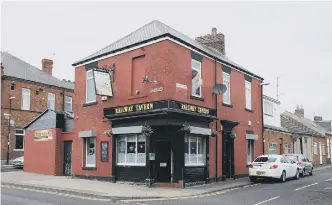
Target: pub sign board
[(42, 135), (165, 105)]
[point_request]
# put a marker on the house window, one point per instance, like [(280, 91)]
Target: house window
[(328, 148), (25, 103), (90, 152), (287, 149), (272, 148), (19, 139), (323, 150), (315, 148), (51, 101), (194, 151), (250, 151), (131, 150), (248, 94), (268, 108), (196, 78), (227, 94), (68, 104), (90, 87)]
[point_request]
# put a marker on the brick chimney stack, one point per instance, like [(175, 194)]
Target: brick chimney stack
[(299, 111), (2, 70), (214, 40), (47, 65)]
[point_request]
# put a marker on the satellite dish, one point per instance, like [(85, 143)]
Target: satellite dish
[(219, 89)]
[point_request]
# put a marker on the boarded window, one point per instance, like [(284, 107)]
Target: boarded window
[(137, 74)]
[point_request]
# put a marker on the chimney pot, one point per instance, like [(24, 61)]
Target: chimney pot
[(214, 31), (214, 41), (318, 118), (47, 66), (299, 111)]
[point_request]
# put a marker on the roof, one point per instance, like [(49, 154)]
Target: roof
[(153, 31), (307, 125), (15, 67), (271, 99), (280, 129)]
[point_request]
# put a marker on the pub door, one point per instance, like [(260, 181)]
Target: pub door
[(67, 158), (163, 161)]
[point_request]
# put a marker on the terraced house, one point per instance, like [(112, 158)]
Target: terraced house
[(27, 91)]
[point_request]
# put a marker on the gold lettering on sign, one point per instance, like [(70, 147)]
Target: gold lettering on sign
[(194, 108), (148, 106), (124, 109)]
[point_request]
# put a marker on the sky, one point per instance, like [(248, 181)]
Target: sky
[(289, 40)]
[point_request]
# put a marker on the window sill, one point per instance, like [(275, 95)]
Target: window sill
[(227, 105), (196, 98), (136, 97), (248, 110), (18, 150), (89, 168), (90, 103), (194, 165), (130, 165)]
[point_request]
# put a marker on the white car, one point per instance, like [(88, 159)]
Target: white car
[(18, 162), (273, 166)]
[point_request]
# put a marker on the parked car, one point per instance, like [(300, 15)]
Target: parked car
[(274, 167), (305, 165), (18, 162)]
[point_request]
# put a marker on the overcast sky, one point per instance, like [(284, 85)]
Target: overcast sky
[(290, 40)]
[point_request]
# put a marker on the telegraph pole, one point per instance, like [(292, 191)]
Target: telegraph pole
[(278, 88)]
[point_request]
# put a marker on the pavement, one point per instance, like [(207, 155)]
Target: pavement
[(9, 168), (121, 192)]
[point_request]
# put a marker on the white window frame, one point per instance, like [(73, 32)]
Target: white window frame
[(226, 78), (25, 99), (86, 86), (250, 145), (86, 151), (287, 149), (49, 99), (275, 145), (190, 164), (248, 95), (200, 80), (268, 108), (20, 134), (126, 140), (328, 148), (67, 102), (315, 148)]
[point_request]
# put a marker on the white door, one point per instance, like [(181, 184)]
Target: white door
[(320, 153)]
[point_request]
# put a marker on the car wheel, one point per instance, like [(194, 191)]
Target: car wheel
[(302, 173), (297, 175), (283, 176), (311, 172), (253, 179)]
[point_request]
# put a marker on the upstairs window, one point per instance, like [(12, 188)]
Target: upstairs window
[(268, 108), (25, 103), (51, 101), (227, 94), (196, 78), (68, 104), (248, 94), (90, 87)]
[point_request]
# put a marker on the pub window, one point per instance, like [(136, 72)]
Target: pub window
[(131, 150), (227, 94), (90, 87), (196, 78), (19, 139), (90, 152), (194, 151)]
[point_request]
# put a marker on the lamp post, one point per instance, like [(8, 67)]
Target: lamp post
[(8, 137), (263, 84)]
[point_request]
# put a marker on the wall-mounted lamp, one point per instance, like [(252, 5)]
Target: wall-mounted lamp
[(145, 79)]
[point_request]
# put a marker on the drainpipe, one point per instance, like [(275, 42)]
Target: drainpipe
[(263, 142), (63, 99), (216, 103)]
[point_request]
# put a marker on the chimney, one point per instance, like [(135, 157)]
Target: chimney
[(318, 118), (2, 70), (299, 111), (214, 40), (47, 66)]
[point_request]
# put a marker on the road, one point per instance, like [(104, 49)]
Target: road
[(9, 168), (311, 190)]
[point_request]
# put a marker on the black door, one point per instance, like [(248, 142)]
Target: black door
[(67, 158), (228, 156), (163, 161)]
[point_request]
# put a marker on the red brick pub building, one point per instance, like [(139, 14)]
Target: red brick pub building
[(163, 124)]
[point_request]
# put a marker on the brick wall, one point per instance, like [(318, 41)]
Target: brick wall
[(280, 139), (38, 103), (168, 63)]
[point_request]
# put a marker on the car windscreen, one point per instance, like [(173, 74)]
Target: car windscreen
[(265, 159), (293, 157)]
